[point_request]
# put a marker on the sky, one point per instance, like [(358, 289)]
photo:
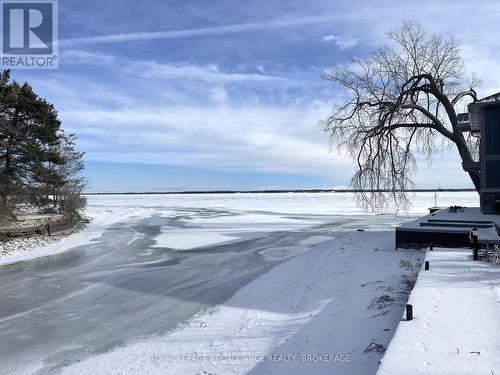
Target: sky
[(179, 95)]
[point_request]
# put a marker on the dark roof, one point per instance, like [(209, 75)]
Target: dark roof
[(490, 99)]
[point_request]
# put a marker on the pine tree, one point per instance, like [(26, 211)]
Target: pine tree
[(37, 160), (61, 174)]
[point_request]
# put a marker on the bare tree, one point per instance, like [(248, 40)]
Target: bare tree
[(401, 102)]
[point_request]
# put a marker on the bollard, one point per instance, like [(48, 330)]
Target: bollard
[(427, 265), (409, 312), (431, 247), (475, 245)]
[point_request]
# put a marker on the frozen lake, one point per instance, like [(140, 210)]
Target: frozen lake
[(155, 261)]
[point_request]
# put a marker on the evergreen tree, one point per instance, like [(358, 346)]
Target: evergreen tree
[(36, 158), (61, 173)]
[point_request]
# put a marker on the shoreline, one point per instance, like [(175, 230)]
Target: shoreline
[(40, 246), (280, 191), (27, 244)]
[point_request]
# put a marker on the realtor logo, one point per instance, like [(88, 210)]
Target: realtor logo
[(29, 34)]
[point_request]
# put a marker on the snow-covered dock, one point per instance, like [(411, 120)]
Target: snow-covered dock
[(450, 228), (456, 322)]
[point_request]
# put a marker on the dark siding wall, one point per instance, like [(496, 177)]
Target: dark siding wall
[(491, 139), (492, 130), (420, 239), (493, 174)]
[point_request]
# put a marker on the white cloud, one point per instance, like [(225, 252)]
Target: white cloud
[(86, 57), (218, 94), (158, 70), (341, 42), (209, 73), (276, 23), (484, 62), (248, 138)]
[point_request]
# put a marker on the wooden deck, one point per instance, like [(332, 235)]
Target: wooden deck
[(446, 228)]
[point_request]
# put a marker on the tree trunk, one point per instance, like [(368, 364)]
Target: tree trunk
[(476, 180), (466, 156), (458, 137), (8, 161)]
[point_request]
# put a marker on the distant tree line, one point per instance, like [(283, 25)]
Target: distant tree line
[(39, 166)]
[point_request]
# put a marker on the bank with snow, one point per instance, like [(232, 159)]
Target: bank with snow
[(456, 322)]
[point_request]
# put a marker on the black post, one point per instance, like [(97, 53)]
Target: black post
[(427, 265), (409, 312), (431, 247), (475, 246)]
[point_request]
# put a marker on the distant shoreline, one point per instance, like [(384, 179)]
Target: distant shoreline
[(282, 191)]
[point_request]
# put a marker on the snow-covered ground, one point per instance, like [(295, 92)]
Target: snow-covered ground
[(211, 284), (20, 249), (316, 313), (109, 209), (456, 325)]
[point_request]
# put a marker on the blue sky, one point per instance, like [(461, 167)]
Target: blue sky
[(195, 95)]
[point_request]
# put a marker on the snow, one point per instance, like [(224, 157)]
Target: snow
[(289, 203), (456, 222), (469, 215), (313, 313), (189, 239), (334, 292), (18, 250), (109, 209), (223, 229), (456, 322)]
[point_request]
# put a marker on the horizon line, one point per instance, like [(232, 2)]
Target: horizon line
[(274, 191)]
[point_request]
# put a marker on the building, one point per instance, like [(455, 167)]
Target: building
[(483, 120), (452, 227)]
